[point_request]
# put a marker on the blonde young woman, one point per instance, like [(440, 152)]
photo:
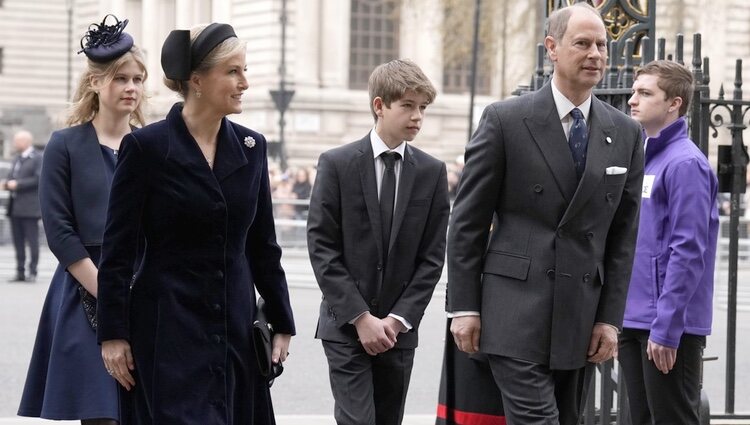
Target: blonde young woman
[(195, 186), (67, 379)]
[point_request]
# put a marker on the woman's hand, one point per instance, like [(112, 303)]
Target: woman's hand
[(280, 347), (118, 360)]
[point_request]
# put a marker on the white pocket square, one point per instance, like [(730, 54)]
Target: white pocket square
[(613, 171)]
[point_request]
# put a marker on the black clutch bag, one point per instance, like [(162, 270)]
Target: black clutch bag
[(263, 343), (88, 302)]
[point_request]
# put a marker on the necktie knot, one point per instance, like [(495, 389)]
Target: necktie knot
[(576, 114), (389, 159)]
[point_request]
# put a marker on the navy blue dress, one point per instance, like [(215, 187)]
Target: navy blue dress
[(66, 378)]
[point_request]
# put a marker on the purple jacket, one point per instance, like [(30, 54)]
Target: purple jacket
[(671, 288)]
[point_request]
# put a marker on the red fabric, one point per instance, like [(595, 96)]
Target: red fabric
[(459, 417)]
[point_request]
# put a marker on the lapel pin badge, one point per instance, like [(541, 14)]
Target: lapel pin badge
[(609, 140), (250, 141)]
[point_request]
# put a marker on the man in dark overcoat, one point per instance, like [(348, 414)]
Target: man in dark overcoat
[(23, 204)]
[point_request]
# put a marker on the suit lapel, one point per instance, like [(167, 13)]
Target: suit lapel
[(597, 157), (366, 168), (229, 154), (184, 150), (546, 130), (405, 184)]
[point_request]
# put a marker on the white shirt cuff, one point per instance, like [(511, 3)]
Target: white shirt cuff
[(452, 314), (403, 321)]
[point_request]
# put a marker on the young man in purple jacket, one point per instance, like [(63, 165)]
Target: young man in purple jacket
[(669, 305)]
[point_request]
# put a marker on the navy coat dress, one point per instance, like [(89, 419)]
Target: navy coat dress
[(210, 241), (66, 377)]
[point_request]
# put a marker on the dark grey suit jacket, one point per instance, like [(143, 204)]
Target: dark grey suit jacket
[(346, 248), (560, 255), (24, 200)]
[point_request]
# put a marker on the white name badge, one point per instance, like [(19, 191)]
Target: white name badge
[(648, 185)]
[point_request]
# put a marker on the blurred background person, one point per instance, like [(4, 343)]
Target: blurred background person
[(23, 204), (67, 379), (177, 335)]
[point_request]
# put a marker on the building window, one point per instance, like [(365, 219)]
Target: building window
[(373, 40), (457, 78)]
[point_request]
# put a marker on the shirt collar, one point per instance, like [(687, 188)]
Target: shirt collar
[(379, 146), (27, 152), (564, 105)]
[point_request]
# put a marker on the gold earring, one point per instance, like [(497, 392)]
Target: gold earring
[(198, 94)]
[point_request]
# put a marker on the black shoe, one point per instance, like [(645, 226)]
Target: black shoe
[(18, 278), (31, 278)]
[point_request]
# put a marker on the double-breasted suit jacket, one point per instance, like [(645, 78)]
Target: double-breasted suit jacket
[(560, 255), (344, 239), (24, 200), (210, 241)]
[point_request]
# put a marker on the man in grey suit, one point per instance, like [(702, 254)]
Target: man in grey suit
[(377, 263), (23, 204), (543, 292)]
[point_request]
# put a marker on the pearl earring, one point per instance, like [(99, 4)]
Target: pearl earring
[(198, 94)]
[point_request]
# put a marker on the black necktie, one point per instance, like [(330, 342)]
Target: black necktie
[(388, 196), (578, 141)]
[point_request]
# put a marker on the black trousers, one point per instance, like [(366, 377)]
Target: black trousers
[(25, 232), (368, 390), (534, 394), (656, 398)]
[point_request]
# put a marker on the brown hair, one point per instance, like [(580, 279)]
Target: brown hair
[(389, 81), (675, 79), (223, 50), (557, 22), (85, 102)]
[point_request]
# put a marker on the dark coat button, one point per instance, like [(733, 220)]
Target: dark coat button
[(216, 339), (380, 267), (590, 235), (587, 278), (551, 273), (538, 188), (609, 197), (374, 302), (219, 274), (216, 307)]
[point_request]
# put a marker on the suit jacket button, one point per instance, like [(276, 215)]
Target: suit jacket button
[(374, 302), (538, 188), (219, 274), (216, 339), (590, 235), (587, 278), (380, 267), (551, 273), (216, 307), (609, 197)]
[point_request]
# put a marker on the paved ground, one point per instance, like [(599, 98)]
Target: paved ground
[(302, 394)]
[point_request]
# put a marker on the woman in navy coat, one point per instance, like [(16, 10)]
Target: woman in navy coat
[(67, 378), (178, 334)]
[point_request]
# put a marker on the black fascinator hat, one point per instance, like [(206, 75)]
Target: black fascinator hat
[(179, 58), (103, 43)]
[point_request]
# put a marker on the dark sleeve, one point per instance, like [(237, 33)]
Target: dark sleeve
[(57, 205), (620, 249), (264, 257), (326, 245), (473, 209), (430, 256), (121, 240), (31, 183)]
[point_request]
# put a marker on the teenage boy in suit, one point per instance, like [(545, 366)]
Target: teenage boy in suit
[(376, 236)]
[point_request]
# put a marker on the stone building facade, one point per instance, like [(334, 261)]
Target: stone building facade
[(331, 46)]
